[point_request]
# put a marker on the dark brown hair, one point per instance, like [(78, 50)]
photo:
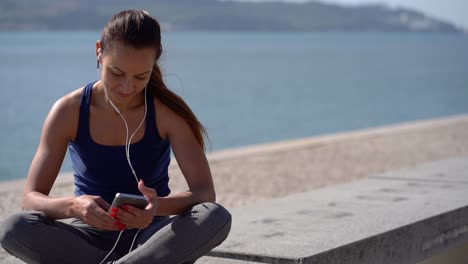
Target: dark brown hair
[(138, 29)]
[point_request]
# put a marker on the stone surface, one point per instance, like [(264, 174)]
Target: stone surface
[(400, 217), (454, 170), (397, 217), (215, 260)]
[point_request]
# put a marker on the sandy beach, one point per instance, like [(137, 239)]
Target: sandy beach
[(249, 174), (252, 173)]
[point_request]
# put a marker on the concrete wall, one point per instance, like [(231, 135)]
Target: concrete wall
[(457, 255)]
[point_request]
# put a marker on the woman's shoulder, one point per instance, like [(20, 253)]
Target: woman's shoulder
[(68, 103), (168, 121), (64, 114)]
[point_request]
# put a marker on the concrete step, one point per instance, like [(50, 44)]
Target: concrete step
[(398, 217)]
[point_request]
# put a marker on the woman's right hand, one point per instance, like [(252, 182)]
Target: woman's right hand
[(93, 211)]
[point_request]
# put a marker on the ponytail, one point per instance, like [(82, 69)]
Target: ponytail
[(158, 88)]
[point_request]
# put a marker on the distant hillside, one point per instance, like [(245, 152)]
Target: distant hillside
[(212, 15)]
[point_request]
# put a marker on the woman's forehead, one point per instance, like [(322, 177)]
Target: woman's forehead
[(120, 49), (127, 58)]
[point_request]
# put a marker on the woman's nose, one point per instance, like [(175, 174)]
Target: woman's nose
[(126, 86)]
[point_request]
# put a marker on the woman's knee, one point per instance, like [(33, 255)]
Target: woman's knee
[(18, 225), (215, 214)]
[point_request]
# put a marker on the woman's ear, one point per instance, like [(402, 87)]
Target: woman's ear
[(98, 49), (98, 53)]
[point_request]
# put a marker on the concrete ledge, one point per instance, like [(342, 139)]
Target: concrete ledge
[(398, 217)]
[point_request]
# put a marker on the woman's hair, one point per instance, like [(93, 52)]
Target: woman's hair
[(138, 29)]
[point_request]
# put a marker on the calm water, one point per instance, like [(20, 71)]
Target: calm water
[(247, 88)]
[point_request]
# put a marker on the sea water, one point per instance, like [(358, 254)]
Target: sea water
[(246, 88)]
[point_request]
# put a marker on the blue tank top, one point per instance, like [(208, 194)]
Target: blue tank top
[(104, 171)]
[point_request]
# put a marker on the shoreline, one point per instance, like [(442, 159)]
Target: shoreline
[(251, 173)]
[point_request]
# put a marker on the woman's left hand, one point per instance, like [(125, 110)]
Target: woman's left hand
[(134, 217)]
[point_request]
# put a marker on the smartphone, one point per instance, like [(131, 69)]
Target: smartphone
[(120, 199)]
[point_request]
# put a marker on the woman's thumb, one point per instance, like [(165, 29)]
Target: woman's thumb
[(147, 192)]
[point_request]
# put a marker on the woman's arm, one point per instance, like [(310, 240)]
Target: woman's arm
[(47, 161), (59, 127), (192, 162)]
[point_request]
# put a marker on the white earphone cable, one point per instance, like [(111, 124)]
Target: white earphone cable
[(127, 154), (128, 140), (112, 250), (133, 242)]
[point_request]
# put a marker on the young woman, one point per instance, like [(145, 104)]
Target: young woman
[(120, 131)]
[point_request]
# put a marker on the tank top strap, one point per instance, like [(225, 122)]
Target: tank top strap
[(83, 120), (151, 128)]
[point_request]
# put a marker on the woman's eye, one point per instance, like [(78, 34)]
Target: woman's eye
[(116, 74), (141, 78)]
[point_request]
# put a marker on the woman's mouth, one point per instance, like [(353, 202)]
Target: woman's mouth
[(124, 95)]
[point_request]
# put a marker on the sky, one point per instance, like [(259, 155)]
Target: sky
[(454, 11)]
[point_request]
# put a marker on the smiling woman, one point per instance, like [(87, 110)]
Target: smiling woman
[(95, 122)]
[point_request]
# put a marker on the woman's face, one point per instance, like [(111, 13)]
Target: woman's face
[(126, 70)]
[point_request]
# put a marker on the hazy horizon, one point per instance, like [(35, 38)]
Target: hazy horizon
[(453, 11)]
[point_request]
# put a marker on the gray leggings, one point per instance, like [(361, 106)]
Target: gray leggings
[(34, 238)]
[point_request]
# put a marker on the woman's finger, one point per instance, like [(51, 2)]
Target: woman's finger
[(134, 217), (102, 221), (102, 203)]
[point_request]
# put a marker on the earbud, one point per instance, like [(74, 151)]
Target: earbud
[(98, 57)]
